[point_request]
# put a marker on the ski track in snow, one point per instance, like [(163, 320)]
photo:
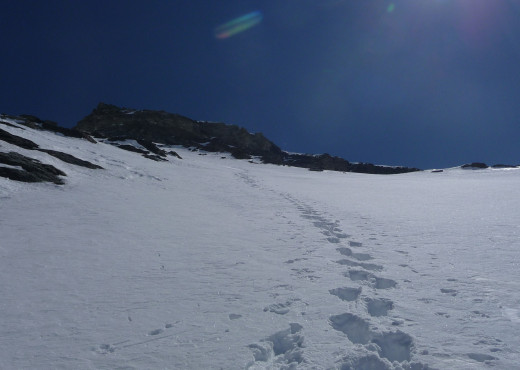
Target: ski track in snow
[(292, 284)]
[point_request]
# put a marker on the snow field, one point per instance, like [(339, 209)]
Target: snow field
[(217, 263)]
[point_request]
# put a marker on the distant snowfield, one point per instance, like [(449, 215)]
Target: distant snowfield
[(210, 263)]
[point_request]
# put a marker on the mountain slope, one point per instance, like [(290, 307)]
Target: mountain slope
[(109, 121), (211, 262)]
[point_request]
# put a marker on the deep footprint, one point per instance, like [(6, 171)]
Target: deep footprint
[(382, 283), (356, 275), (479, 357), (379, 306), (285, 345), (359, 256), (395, 346), (356, 329), (346, 294), (366, 266)]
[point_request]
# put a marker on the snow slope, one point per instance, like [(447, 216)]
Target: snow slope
[(210, 263)]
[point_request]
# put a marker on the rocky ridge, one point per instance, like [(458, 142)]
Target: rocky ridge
[(115, 123), (149, 132)]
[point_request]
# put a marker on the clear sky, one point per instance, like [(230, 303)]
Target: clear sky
[(425, 83)]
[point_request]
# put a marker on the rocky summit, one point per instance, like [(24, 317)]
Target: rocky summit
[(148, 126), (150, 134)]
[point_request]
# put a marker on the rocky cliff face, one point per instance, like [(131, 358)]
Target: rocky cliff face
[(112, 122)]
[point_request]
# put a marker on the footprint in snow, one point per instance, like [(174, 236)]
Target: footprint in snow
[(394, 346), (356, 328), (280, 308), (161, 330), (156, 332), (480, 357), (346, 294), (356, 275), (451, 292), (359, 256), (366, 266), (377, 282), (383, 283), (283, 348), (379, 306), (295, 260), (105, 349)]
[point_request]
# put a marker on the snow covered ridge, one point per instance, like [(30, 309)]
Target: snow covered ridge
[(154, 256)]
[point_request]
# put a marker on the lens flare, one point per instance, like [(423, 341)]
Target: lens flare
[(238, 25)]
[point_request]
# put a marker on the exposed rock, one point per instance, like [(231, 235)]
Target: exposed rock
[(155, 157), (39, 124), (174, 153), (173, 129), (28, 144), (32, 170), (132, 148), (68, 158), (437, 171), (151, 147), (9, 124), (17, 140), (503, 166), (475, 165), (240, 153), (151, 127)]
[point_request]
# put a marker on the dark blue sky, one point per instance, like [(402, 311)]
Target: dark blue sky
[(426, 83)]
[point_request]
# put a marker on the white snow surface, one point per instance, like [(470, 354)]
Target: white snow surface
[(211, 263)]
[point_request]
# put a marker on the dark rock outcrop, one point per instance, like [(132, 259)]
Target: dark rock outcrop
[(174, 153), (151, 147), (32, 170), (17, 140), (68, 158), (155, 157), (132, 148), (7, 123), (39, 124), (147, 126), (172, 129), (503, 166), (475, 165)]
